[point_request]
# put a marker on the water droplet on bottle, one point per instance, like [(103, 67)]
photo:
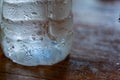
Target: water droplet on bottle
[(34, 13), (19, 40), (8, 41), (27, 17), (13, 47), (33, 38), (41, 38), (63, 42)]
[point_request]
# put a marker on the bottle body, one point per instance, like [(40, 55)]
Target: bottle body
[(36, 32)]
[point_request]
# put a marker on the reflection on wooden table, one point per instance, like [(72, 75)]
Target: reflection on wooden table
[(95, 54)]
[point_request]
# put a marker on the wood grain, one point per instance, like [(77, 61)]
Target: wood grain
[(95, 54)]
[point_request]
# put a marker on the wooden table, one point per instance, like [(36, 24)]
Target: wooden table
[(95, 54)]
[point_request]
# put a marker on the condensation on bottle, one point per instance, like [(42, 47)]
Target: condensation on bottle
[(36, 32)]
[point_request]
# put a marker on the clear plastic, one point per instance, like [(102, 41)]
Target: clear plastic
[(36, 32)]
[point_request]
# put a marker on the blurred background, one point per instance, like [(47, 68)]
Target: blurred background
[(97, 30), (97, 12)]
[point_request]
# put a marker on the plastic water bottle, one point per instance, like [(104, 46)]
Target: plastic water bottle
[(36, 32)]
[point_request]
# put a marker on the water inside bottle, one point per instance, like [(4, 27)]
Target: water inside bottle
[(31, 36)]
